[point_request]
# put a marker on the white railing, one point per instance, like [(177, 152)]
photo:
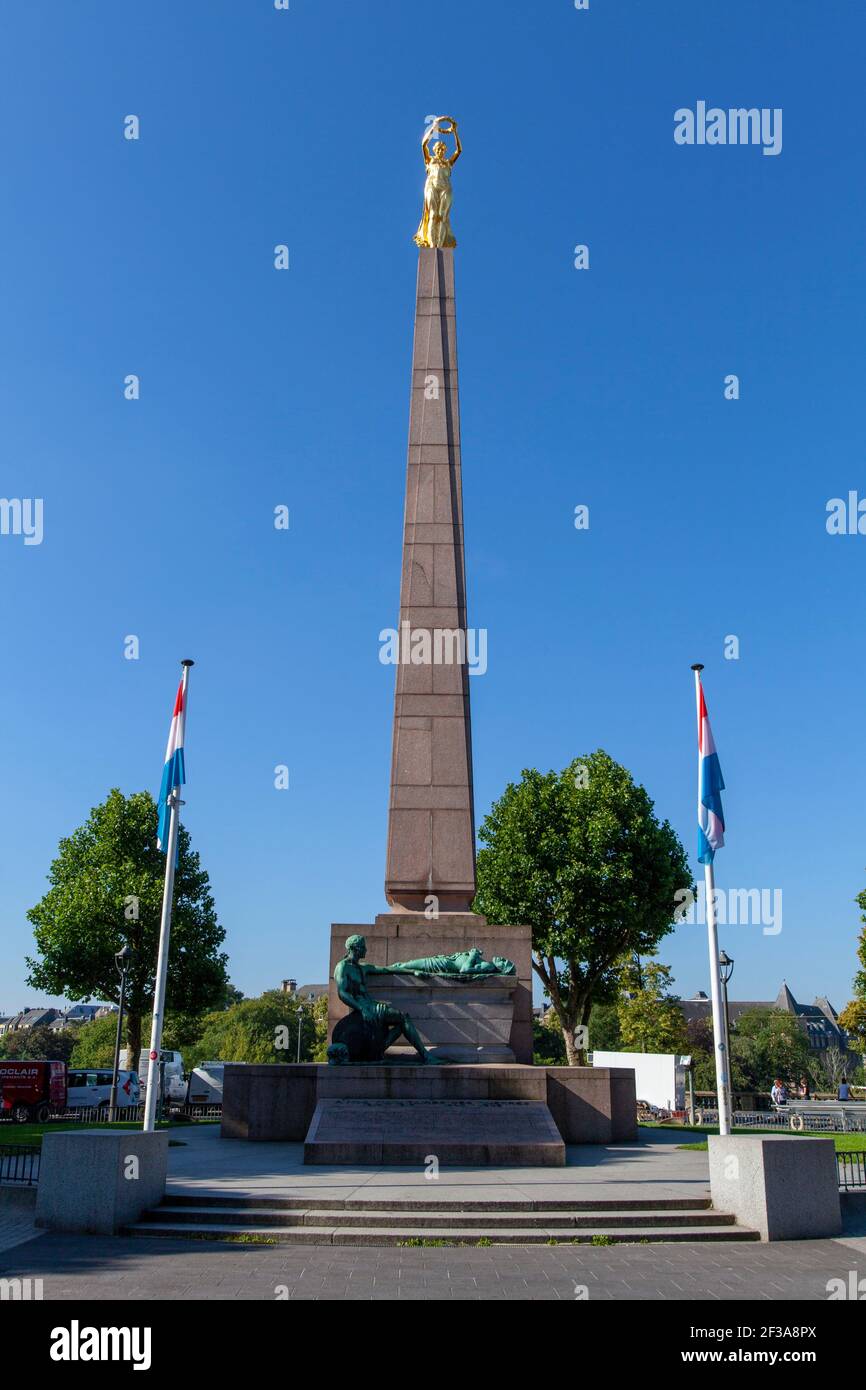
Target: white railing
[(796, 1119)]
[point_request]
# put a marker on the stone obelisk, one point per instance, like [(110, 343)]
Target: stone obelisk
[(431, 830), (430, 869)]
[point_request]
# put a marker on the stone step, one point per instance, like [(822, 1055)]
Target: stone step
[(456, 1218), (425, 1203), (376, 1236)]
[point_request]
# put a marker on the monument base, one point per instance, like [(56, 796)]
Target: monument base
[(467, 1133), (783, 1185), (475, 1019), (584, 1105)]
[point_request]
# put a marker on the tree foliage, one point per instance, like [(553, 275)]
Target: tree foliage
[(106, 887), (765, 1043), (605, 1034), (580, 857), (853, 1016), (650, 1018), (94, 1043), (26, 1044), (548, 1044), (263, 1030)]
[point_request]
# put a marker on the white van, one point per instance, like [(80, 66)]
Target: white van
[(93, 1088), (206, 1084), (171, 1066)]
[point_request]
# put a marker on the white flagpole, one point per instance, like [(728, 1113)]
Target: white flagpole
[(174, 803), (719, 1030)]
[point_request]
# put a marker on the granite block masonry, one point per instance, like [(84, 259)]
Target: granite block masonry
[(431, 823), (380, 1105), (786, 1187), (587, 1105), (97, 1181), (396, 936)]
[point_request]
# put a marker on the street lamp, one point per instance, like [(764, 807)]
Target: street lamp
[(122, 961), (311, 998), (726, 970)]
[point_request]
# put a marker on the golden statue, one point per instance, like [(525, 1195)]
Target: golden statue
[(435, 227)]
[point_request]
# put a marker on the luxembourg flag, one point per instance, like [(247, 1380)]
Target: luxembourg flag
[(173, 774), (711, 820)]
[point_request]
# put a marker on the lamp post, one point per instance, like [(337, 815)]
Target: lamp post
[(311, 998), (726, 970), (122, 961)]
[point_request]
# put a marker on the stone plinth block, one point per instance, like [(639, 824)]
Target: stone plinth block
[(593, 1105), (402, 936), (469, 1133), (97, 1181), (783, 1186), (587, 1105), (460, 1020)]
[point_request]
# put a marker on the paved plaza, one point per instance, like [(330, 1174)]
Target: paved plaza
[(98, 1267)]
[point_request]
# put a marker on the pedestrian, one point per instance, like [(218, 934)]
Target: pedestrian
[(779, 1093), (844, 1089)]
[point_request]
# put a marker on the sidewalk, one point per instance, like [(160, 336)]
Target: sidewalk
[(652, 1168)]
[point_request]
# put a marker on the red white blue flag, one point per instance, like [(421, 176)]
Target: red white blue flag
[(173, 773), (711, 819)]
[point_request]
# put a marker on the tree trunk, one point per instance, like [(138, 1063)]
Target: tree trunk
[(573, 1054), (133, 1039)]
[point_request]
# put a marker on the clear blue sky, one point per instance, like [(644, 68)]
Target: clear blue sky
[(603, 387)]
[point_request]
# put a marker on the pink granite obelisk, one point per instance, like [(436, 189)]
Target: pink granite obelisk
[(431, 825), (430, 870)]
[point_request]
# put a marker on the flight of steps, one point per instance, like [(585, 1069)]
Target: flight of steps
[(368, 1221)]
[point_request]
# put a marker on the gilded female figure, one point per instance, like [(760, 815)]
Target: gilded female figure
[(435, 227)]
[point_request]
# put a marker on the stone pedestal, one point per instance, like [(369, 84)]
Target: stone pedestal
[(459, 1020), (585, 1105), (97, 1181), (783, 1186), (465, 1133), (476, 1009)]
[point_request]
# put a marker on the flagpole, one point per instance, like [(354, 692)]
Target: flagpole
[(719, 1029), (174, 803)]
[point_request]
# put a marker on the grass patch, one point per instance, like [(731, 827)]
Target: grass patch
[(249, 1238), (418, 1243), (845, 1143), (34, 1133)]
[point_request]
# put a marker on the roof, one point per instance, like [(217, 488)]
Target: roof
[(820, 1019)]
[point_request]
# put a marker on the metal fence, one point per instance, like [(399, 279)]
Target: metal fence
[(99, 1114), (20, 1163), (797, 1121), (852, 1169)]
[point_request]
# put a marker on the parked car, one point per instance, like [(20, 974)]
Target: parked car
[(93, 1088), (31, 1090)]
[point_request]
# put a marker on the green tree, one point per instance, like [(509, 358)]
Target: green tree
[(548, 1044), (853, 1016), (94, 1043), (263, 1030), (26, 1044), (649, 1015), (604, 1029), (580, 857), (766, 1043), (105, 891), (853, 1020)]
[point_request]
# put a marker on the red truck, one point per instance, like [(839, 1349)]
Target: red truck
[(31, 1090)]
